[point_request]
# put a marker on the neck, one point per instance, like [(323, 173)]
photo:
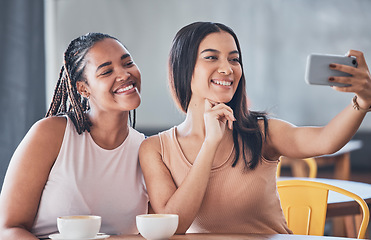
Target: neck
[(194, 122), (109, 130)]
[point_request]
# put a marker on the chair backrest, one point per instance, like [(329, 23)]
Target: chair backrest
[(304, 204), (311, 163)]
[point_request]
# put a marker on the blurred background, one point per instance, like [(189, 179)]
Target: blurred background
[(276, 37)]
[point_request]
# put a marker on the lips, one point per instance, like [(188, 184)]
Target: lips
[(124, 88)]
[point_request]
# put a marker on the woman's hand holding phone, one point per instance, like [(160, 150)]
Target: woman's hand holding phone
[(344, 73), (319, 72)]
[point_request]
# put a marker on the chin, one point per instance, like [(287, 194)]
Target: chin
[(134, 105), (221, 100)]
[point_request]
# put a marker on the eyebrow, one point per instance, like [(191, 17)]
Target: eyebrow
[(214, 50), (109, 63), (125, 56), (103, 65)]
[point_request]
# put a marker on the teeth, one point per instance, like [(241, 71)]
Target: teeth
[(125, 89), (224, 83), (128, 88)]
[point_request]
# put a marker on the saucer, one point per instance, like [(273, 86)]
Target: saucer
[(59, 237)]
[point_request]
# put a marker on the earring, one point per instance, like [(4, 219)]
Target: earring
[(87, 94)]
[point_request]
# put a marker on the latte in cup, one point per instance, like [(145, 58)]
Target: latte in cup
[(82, 226)]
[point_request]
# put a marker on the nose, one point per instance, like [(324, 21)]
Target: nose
[(123, 75), (225, 68)]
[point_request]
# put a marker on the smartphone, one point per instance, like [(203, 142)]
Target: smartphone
[(318, 71)]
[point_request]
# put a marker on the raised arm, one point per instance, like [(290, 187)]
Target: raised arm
[(27, 174), (300, 142)]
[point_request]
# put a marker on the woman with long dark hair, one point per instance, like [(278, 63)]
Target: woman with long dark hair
[(217, 169)]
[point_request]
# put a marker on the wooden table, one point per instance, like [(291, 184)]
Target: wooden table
[(208, 236), (340, 160), (340, 205)]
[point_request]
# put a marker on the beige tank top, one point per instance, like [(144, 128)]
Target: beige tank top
[(236, 201)]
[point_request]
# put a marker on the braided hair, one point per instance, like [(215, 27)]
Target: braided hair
[(72, 71)]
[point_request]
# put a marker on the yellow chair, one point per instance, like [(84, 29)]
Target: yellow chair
[(304, 204), (311, 162)]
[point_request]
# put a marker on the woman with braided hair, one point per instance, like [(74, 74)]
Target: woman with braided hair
[(82, 158)]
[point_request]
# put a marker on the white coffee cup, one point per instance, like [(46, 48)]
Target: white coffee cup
[(157, 226), (82, 226)]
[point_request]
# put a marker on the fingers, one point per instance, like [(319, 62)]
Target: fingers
[(359, 81), (208, 105), (360, 58), (221, 112), (362, 65), (360, 78), (355, 84), (345, 80), (224, 115), (344, 68)]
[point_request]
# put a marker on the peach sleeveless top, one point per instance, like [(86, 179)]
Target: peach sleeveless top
[(87, 179), (236, 201)]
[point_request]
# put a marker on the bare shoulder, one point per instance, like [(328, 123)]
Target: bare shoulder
[(150, 145), (51, 128), (39, 148), (277, 126), (272, 126), (276, 134), (46, 133), (51, 125), (151, 161), (150, 151)]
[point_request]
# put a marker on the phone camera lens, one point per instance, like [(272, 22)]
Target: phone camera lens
[(354, 62)]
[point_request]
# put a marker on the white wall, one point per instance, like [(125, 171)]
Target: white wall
[(275, 35)]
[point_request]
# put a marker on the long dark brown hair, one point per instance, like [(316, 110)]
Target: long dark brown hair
[(182, 60), (72, 71)]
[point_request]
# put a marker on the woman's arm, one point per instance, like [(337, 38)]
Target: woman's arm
[(185, 200), (26, 176), (300, 142), (164, 196)]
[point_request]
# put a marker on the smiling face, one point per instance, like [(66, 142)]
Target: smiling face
[(217, 70), (112, 79)]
